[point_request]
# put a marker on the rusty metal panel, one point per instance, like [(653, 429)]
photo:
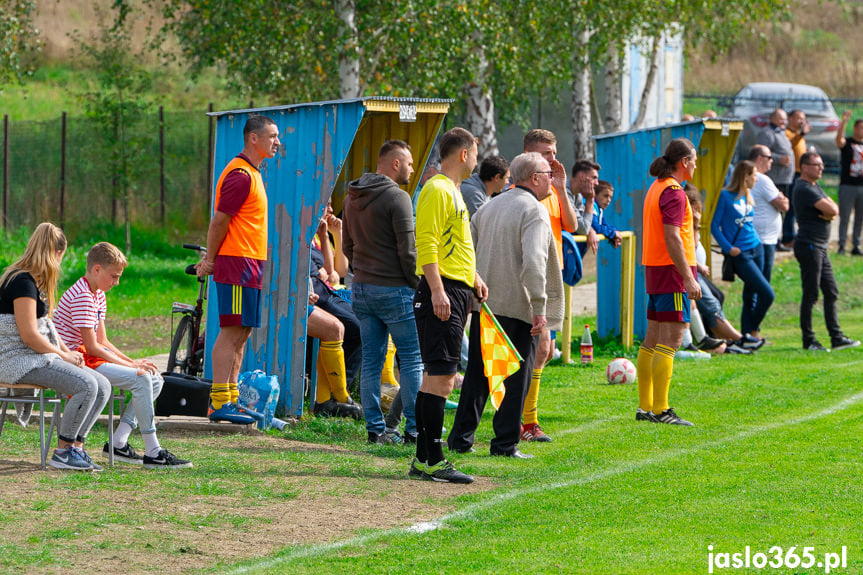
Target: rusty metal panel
[(322, 144)]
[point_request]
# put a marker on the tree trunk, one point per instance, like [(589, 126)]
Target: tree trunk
[(581, 120), (479, 113), (648, 84), (349, 61), (613, 97)]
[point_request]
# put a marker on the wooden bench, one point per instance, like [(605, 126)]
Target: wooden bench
[(44, 440)]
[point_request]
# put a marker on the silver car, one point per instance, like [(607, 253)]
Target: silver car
[(755, 102)]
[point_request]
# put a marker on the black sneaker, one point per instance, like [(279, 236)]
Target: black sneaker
[(417, 469), (165, 460), (668, 416), (844, 343), (733, 348), (444, 472), (815, 346), (641, 415), (409, 438), (126, 454), (709, 343), (856, 252), (333, 408), (385, 438), (750, 342)]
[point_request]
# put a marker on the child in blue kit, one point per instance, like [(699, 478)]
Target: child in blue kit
[(604, 194)]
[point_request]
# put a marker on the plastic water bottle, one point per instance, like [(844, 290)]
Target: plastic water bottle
[(586, 347)]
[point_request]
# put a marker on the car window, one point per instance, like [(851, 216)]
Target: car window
[(767, 102)]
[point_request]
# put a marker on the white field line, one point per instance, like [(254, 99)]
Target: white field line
[(472, 509)]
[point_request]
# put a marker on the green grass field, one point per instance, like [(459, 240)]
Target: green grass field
[(774, 460)]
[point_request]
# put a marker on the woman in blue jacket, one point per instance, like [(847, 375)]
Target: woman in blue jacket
[(733, 230)]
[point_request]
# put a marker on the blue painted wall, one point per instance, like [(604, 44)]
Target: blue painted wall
[(625, 159), (324, 145), (315, 140)]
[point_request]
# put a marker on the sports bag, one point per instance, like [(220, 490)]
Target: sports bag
[(183, 395)]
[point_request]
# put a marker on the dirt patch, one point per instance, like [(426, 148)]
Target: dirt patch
[(134, 335), (206, 517)]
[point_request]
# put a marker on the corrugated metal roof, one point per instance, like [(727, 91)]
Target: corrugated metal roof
[(294, 107), (324, 144)]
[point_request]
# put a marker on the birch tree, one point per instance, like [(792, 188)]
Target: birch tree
[(18, 39)]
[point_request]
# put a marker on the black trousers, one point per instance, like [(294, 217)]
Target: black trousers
[(474, 391), (816, 272)]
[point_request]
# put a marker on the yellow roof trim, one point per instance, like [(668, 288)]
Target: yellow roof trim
[(711, 124), (391, 106)]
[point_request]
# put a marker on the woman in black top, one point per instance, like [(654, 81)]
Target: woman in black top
[(31, 352)]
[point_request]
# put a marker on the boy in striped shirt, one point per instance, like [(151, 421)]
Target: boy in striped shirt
[(80, 322)]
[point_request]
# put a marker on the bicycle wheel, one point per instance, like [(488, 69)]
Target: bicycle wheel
[(178, 359)]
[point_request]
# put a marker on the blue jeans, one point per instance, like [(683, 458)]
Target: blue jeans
[(758, 296), (383, 310)]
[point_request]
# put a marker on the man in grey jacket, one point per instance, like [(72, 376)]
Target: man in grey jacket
[(516, 255), (378, 239)]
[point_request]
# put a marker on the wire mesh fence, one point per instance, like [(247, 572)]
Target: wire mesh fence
[(68, 171)]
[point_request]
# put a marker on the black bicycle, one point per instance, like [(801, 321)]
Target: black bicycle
[(187, 345)]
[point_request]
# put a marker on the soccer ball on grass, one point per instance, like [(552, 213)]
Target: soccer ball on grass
[(620, 370)]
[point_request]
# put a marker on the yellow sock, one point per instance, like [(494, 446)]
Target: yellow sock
[(331, 356), (661, 368), (220, 394), (645, 380), (388, 375), (322, 391), (529, 415), (235, 392)]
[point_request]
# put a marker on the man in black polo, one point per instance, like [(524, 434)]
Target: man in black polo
[(815, 210)]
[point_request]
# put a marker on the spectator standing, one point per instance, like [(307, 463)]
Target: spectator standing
[(378, 234), (668, 256), (850, 183), (796, 130), (236, 254), (604, 195), (516, 255), (733, 229), (486, 183), (815, 211), (447, 263), (773, 136), (562, 216), (769, 204)]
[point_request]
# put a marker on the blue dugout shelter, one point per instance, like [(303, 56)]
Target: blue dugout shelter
[(324, 145), (625, 159)]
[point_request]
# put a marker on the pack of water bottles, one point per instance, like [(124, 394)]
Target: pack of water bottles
[(259, 395)]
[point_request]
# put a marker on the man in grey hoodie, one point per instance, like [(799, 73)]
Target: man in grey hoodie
[(378, 239), (516, 254)]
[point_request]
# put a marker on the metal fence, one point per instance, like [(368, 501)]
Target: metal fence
[(724, 101), (63, 171)]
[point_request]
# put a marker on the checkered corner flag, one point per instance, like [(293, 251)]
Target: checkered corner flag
[(499, 357)]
